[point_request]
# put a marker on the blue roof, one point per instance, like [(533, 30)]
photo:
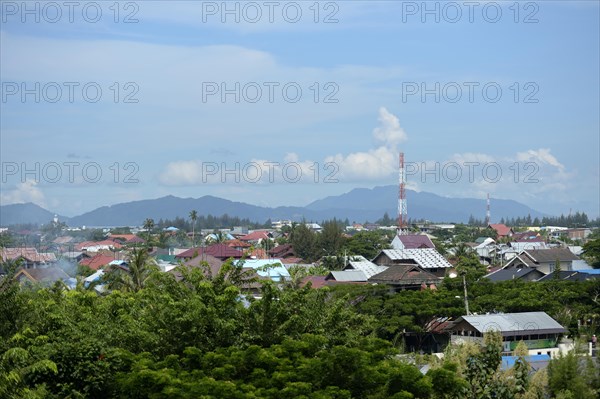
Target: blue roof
[(272, 268), (590, 271), (535, 361)]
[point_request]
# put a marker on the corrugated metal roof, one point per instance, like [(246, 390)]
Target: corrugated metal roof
[(349, 276), (367, 267), (427, 258), (514, 323)]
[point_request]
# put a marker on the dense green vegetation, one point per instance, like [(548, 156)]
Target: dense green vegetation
[(199, 339)]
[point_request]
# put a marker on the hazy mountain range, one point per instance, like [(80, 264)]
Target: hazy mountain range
[(358, 205)]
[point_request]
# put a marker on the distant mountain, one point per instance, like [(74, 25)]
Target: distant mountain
[(25, 213), (422, 205), (358, 205)]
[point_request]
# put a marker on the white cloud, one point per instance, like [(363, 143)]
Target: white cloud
[(26, 191), (542, 156), (389, 133)]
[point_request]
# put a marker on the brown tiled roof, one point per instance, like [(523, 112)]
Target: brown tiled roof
[(315, 281), (30, 254), (404, 274), (551, 255), (282, 251)]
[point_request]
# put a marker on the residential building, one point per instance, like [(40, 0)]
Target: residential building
[(540, 332), (411, 241), (502, 230), (427, 259), (524, 273), (543, 259)]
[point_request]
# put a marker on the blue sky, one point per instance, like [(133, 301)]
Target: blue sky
[(161, 125)]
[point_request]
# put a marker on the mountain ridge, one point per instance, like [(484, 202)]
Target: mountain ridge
[(359, 204)]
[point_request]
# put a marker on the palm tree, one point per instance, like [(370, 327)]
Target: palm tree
[(193, 218), (148, 226), (135, 276)]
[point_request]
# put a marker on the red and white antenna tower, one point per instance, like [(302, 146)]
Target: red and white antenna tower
[(487, 212), (402, 211)]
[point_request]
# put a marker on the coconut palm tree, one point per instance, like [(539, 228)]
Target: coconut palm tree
[(193, 218), (148, 226), (135, 276)]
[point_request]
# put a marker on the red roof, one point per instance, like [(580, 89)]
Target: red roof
[(219, 251), (501, 229), (97, 262), (128, 238), (235, 243), (255, 236)]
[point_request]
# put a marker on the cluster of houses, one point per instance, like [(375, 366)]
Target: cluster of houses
[(411, 262)]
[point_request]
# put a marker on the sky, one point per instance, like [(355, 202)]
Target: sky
[(283, 103)]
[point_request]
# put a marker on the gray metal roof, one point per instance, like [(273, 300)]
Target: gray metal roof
[(514, 323), (367, 267), (349, 276), (427, 258)]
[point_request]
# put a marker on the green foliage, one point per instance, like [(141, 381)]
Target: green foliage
[(570, 377), (591, 251), (367, 243), (304, 241)]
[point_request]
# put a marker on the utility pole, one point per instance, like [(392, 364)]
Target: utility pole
[(466, 295)]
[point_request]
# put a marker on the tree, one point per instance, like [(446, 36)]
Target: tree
[(331, 238), (193, 218), (148, 226), (303, 239), (591, 251), (135, 275), (569, 378)]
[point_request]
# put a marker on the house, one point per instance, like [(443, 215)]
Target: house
[(126, 238), (256, 237), (238, 244), (208, 263), (543, 259), (524, 273), (62, 240), (570, 276), (527, 236), (96, 246), (486, 249), (427, 259), (266, 268), (411, 241), (402, 277), (42, 275), (346, 276), (98, 261), (220, 251), (282, 251), (540, 332), (501, 229), (314, 281), (535, 362), (368, 268), (578, 233), (28, 256)]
